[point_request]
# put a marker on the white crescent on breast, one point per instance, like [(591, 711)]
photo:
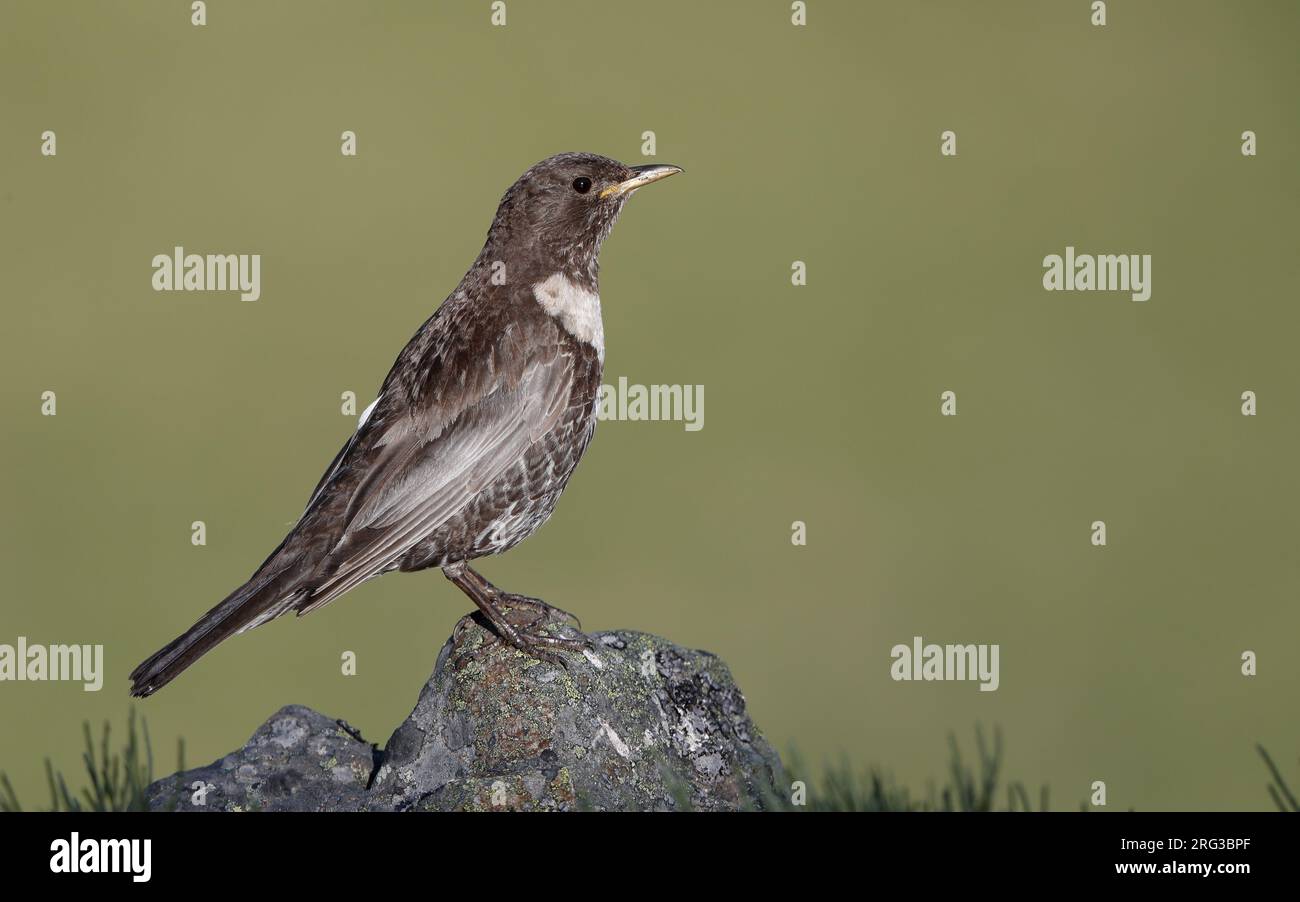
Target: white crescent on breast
[(577, 309)]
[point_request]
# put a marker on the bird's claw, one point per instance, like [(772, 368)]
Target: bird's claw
[(527, 637)]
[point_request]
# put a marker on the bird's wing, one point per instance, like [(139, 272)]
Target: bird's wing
[(417, 480)]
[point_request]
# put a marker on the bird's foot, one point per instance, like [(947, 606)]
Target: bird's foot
[(544, 611), (522, 622)]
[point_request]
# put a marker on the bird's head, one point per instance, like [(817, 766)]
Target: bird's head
[(560, 211)]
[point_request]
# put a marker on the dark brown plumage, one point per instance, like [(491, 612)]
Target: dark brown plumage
[(476, 430)]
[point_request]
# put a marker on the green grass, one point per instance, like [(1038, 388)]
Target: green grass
[(1278, 791), (966, 787), (976, 786), (116, 781)]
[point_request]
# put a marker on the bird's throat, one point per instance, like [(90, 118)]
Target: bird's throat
[(577, 308)]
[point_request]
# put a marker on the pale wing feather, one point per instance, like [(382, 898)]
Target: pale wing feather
[(422, 488)]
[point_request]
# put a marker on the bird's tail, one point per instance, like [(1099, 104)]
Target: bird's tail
[(255, 602)]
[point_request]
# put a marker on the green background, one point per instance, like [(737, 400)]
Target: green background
[(819, 144)]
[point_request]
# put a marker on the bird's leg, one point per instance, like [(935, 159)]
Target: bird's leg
[(544, 607), (506, 602), (496, 606)]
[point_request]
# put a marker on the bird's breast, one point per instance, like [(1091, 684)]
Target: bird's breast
[(576, 307)]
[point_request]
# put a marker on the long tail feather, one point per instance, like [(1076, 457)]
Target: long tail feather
[(250, 604)]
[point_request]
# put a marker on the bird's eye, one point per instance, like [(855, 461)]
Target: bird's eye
[(582, 184)]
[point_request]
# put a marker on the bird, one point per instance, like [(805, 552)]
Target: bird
[(475, 430)]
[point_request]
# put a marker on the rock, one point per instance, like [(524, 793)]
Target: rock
[(634, 723), (299, 760)]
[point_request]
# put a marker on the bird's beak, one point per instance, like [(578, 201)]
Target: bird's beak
[(644, 175)]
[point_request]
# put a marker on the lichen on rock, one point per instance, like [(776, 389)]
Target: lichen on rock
[(633, 723)]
